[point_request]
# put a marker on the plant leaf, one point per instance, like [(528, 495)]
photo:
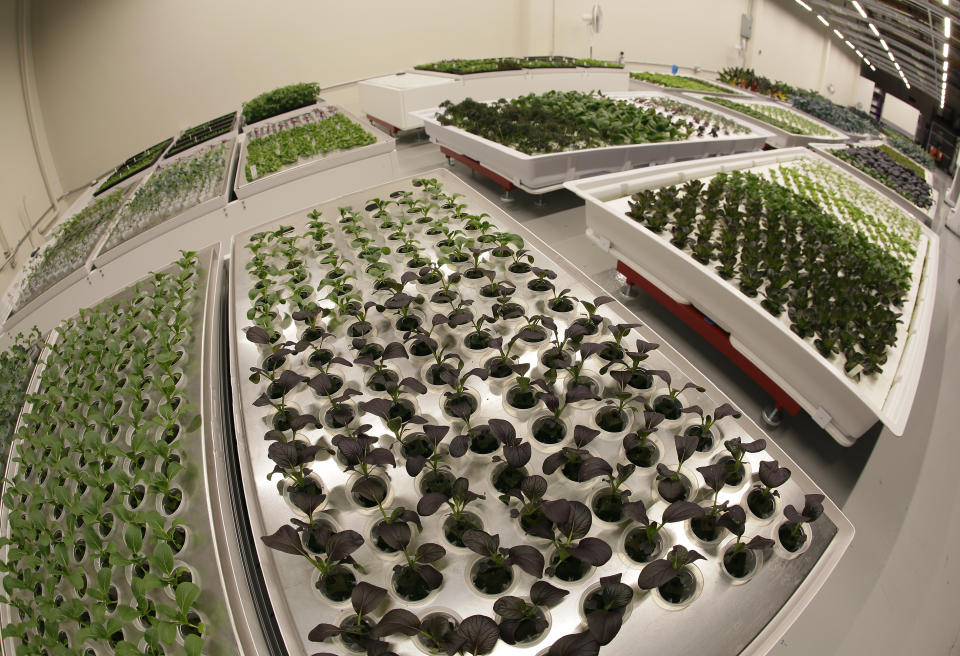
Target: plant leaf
[(715, 475), (480, 634), (322, 632), (186, 594), (397, 535), (772, 474), (575, 644), (481, 542), (604, 625), (286, 540), (342, 544), (534, 487), (656, 574), (366, 597), (510, 608), (429, 503), (527, 558), (592, 550), (397, 620), (428, 552), (679, 511), (546, 594)]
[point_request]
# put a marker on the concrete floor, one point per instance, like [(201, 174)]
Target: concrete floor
[(896, 589)]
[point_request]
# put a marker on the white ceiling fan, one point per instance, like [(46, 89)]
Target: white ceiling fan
[(594, 21)]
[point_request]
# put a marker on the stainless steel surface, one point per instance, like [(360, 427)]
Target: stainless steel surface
[(776, 594), (199, 553)]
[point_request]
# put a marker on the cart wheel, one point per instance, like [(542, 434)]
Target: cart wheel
[(771, 416)]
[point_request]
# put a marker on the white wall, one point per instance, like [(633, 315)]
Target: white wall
[(23, 198), (116, 76), (900, 114), (863, 96)]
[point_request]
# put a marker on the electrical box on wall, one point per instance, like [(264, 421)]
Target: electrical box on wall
[(746, 26)]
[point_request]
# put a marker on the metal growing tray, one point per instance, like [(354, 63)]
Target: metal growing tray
[(244, 189), (547, 172), (206, 538), (760, 611), (843, 407)]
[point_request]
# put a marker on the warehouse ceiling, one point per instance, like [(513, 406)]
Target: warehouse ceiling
[(905, 38)]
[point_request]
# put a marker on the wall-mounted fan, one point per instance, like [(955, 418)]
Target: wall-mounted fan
[(594, 21)]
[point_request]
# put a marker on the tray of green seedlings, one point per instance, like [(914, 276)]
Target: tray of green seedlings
[(908, 147), (453, 442), (499, 64), (107, 543), (136, 164), (200, 133), (895, 174), (823, 282), (301, 143), (64, 259), (681, 83), (179, 190), (844, 118), (790, 127), (17, 364), (279, 101), (538, 142)]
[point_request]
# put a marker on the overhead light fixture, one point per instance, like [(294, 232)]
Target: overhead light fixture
[(866, 61), (876, 32), (884, 44), (946, 3), (945, 65), (905, 82), (850, 45), (856, 5), (946, 50), (873, 68), (837, 32), (823, 20), (890, 55), (944, 77), (804, 5), (946, 26), (859, 54), (896, 65)]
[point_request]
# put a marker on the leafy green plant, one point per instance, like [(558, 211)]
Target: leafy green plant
[(134, 165), (280, 100), (678, 82)]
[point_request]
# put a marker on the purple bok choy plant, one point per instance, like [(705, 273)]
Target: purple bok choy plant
[(791, 533), (762, 498), (358, 453), (493, 572), (592, 322), (632, 376), (340, 412), (516, 455), (530, 494), (382, 376), (707, 526), (336, 581), (604, 608), (574, 552), (415, 578), (608, 504), (637, 446), (577, 463), (357, 631), (422, 451), (739, 558), (397, 411), (669, 404), (734, 462), (275, 396), (643, 543), (522, 621), (671, 485), (551, 428), (460, 520), (703, 430), (671, 576)]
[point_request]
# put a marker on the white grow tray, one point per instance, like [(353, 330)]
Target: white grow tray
[(926, 215), (845, 408), (244, 189), (726, 90), (392, 98), (210, 205), (547, 172), (781, 138)]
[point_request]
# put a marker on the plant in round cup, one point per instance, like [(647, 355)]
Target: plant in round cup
[(574, 553), (516, 454), (562, 302), (790, 533), (636, 445), (356, 631), (644, 543), (633, 375), (340, 413), (382, 376), (290, 460), (460, 520), (336, 582), (550, 429), (736, 559), (612, 351), (734, 461), (417, 577), (541, 282), (310, 315), (357, 450), (612, 417), (521, 263), (458, 402), (504, 364), (707, 527), (591, 323), (706, 423), (494, 572), (669, 482), (503, 241), (670, 575), (761, 499), (608, 504), (605, 608), (530, 493), (578, 464), (523, 622), (669, 405)]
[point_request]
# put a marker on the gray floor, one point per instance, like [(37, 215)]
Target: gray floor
[(895, 591)]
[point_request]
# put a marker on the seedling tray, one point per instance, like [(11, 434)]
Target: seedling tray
[(204, 536), (244, 189), (546, 172), (725, 619), (926, 215), (163, 224), (394, 99), (723, 88), (780, 138), (844, 407)]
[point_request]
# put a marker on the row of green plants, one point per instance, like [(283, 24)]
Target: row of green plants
[(279, 101), (16, 366), (561, 121), (97, 546), (173, 189), (134, 165), (903, 159), (747, 78), (908, 147), (490, 64), (203, 132), (902, 178), (361, 317), (269, 154), (70, 246), (779, 117), (678, 82), (837, 288), (830, 112)]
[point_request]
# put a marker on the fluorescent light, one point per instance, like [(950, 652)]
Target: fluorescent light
[(850, 45), (896, 65), (866, 61), (823, 20), (856, 5), (890, 55), (804, 5), (873, 68), (859, 54), (945, 65), (905, 82), (946, 50), (946, 3), (839, 35), (876, 32), (884, 44), (944, 77), (946, 26)]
